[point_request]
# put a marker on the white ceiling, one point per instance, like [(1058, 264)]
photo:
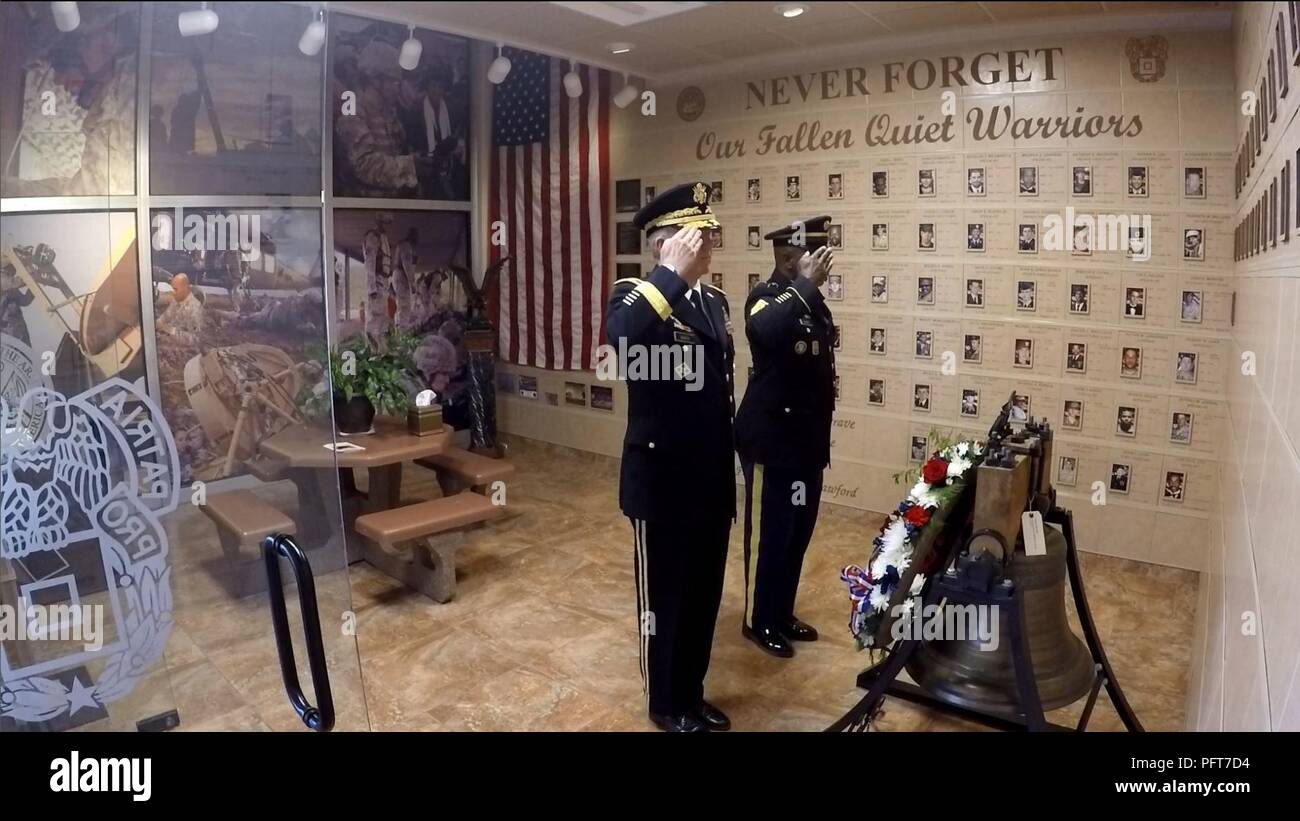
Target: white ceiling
[(717, 36)]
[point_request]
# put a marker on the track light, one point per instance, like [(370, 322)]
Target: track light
[(572, 82), (202, 20), (500, 68), (409, 58), (66, 16), (313, 37), (626, 94)]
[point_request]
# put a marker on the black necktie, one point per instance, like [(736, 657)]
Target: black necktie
[(697, 302)]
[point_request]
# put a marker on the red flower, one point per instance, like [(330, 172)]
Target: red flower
[(917, 516), (935, 470)]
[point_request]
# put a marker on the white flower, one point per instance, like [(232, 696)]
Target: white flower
[(879, 601), (957, 467), (918, 582), (962, 448)]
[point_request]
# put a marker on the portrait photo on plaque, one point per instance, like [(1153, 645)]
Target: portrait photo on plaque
[(1138, 185), (754, 190), (879, 289), (976, 185), (237, 111), (1027, 238), (1194, 244), (924, 347), (1175, 486), (921, 398), (408, 135), (1120, 476), (1180, 428), (793, 189), (1080, 297), (974, 293), (972, 349), (1185, 368), (879, 236), (1130, 363), (925, 183), (1067, 474), (1081, 181), (877, 342), (970, 402), (1194, 182), (1028, 180), (1126, 420), (1076, 357), (975, 237), (68, 108), (1026, 295), (879, 184), (834, 186), (627, 195), (1072, 415), (1135, 303), (1191, 304), (876, 392), (628, 240)]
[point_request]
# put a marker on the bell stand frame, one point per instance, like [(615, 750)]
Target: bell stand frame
[(977, 581)]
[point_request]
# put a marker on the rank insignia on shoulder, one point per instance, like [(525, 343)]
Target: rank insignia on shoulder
[(800, 347)]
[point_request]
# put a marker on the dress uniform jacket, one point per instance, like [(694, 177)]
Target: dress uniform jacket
[(785, 417), (678, 453)]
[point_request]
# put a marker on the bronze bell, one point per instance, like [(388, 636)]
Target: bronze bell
[(964, 674)]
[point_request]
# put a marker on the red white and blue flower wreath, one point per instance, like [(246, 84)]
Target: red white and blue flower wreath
[(942, 478)]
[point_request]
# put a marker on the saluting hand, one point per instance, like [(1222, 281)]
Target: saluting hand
[(817, 265), (684, 251)]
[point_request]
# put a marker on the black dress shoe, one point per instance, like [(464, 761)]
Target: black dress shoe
[(679, 724), (713, 718), (796, 630), (769, 640)]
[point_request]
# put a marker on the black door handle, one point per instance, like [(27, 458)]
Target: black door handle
[(321, 717)]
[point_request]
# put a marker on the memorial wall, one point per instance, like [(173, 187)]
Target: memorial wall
[(1049, 216), (1245, 655)]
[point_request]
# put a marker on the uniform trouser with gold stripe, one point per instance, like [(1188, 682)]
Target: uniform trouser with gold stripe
[(679, 565), (780, 515)]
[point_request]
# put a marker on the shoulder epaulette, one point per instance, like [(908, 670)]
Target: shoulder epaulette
[(637, 280)]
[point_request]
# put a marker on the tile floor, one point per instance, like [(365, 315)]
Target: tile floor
[(541, 634)]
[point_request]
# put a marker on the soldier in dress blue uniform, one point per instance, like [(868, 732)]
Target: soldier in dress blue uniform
[(678, 482), (783, 429)]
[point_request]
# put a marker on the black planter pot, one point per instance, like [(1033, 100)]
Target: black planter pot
[(355, 415)]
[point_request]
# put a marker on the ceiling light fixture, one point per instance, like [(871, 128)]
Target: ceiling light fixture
[(791, 10), (196, 22), (626, 94), (66, 16), (500, 68), (572, 82), (313, 37), (620, 48), (409, 58)]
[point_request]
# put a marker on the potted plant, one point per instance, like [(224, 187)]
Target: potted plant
[(366, 379)]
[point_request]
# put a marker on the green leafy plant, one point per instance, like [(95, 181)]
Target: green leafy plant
[(382, 375)]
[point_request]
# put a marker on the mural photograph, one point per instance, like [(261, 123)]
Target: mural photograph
[(398, 133), (238, 312), (406, 271), (237, 111), (68, 101)]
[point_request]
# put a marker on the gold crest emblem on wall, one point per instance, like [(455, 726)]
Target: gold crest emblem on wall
[(690, 103), (1147, 57)]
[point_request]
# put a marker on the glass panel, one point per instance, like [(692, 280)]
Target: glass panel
[(398, 133), (236, 111), (68, 110)]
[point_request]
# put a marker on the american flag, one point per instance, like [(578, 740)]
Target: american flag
[(550, 192)]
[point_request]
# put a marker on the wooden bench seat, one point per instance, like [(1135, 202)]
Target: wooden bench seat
[(458, 468), (435, 528)]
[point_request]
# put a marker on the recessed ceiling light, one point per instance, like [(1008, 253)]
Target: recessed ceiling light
[(620, 48), (791, 10)]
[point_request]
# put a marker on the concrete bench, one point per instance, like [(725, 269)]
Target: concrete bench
[(458, 469), (243, 521), (435, 528)]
